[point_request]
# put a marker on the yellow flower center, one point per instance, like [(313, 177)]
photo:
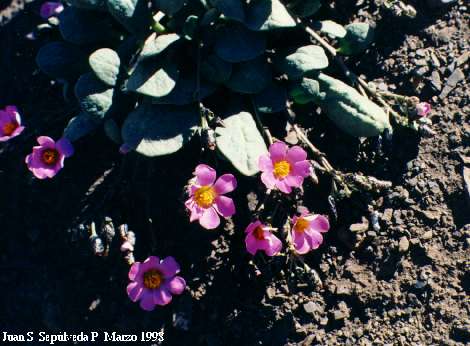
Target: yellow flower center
[(153, 279), (281, 169), (205, 196), (9, 128), (258, 233), (301, 225), (50, 156)]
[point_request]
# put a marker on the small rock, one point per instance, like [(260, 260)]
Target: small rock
[(436, 80), (440, 3), (342, 312), (387, 215), (466, 178), (403, 245), (452, 82), (360, 227), (427, 235), (313, 308)]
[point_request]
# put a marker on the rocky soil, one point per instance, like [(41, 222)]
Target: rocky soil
[(394, 269)]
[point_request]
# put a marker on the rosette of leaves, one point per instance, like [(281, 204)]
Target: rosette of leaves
[(143, 69)]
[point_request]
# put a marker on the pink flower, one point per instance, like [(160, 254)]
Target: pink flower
[(50, 8), (284, 167), (48, 158), (306, 231), (423, 109), (153, 282), (207, 199), (259, 237), (124, 149), (10, 123)]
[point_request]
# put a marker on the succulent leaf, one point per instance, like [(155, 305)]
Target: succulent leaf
[(250, 77), (61, 60), (153, 78), (358, 37), (304, 60), (94, 97), (105, 64)]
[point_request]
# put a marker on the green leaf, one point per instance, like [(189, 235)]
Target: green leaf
[(215, 70), (268, 15), (134, 15), (232, 9), (95, 97), (304, 60), (190, 27), (331, 28), (85, 27), (185, 92), (61, 60), (153, 78), (105, 64), (156, 130), (358, 37), (272, 99), (350, 111), (241, 143), (169, 7), (250, 77), (305, 91), (235, 43), (90, 4), (304, 8), (80, 126), (155, 44)]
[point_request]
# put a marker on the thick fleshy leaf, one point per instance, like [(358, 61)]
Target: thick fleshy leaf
[(358, 37), (105, 64), (79, 126), (234, 43), (95, 97), (268, 15), (350, 111), (232, 9), (169, 7), (155, 130), (90, 4), (185, 92), (304, 8), (215, 70), (304, 60), (155, 44), (241, 143), (250, 77), (305, 91), (134, 15), (85, 27), (331, 28), (272, 99), (61, 60), (153, 78)]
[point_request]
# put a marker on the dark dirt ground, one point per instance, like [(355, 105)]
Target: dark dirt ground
[(406, 283)]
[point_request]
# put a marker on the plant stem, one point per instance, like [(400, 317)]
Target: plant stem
[(267, 134)]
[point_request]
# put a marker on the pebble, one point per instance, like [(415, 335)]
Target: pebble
[(427, 235), (403, 245), (466, 178)]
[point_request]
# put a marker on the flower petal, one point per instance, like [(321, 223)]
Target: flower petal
[(224, 206), (64, 147), (278, 151), (150, 263), (177, 285), (251, 227), (46, 142), (268, 179), (134, 271), (265, 163), (320, 224), (169, 267), (283, 187), (205, 175), (134, 291), (225, 183), (296, 154), (314, 239), (301, 168), (294, 180), (275, 245), (300, 243), (209, 219), (161, 296), (147, 300), (252, 244)]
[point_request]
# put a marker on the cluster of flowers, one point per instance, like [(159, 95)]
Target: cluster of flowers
[(154, 281)]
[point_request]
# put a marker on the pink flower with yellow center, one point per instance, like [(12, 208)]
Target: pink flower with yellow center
[(48, 157), (153, 282), (259, 237), (10, 123), (307, 231), (207, 198), (284, 167), (423, 109)]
